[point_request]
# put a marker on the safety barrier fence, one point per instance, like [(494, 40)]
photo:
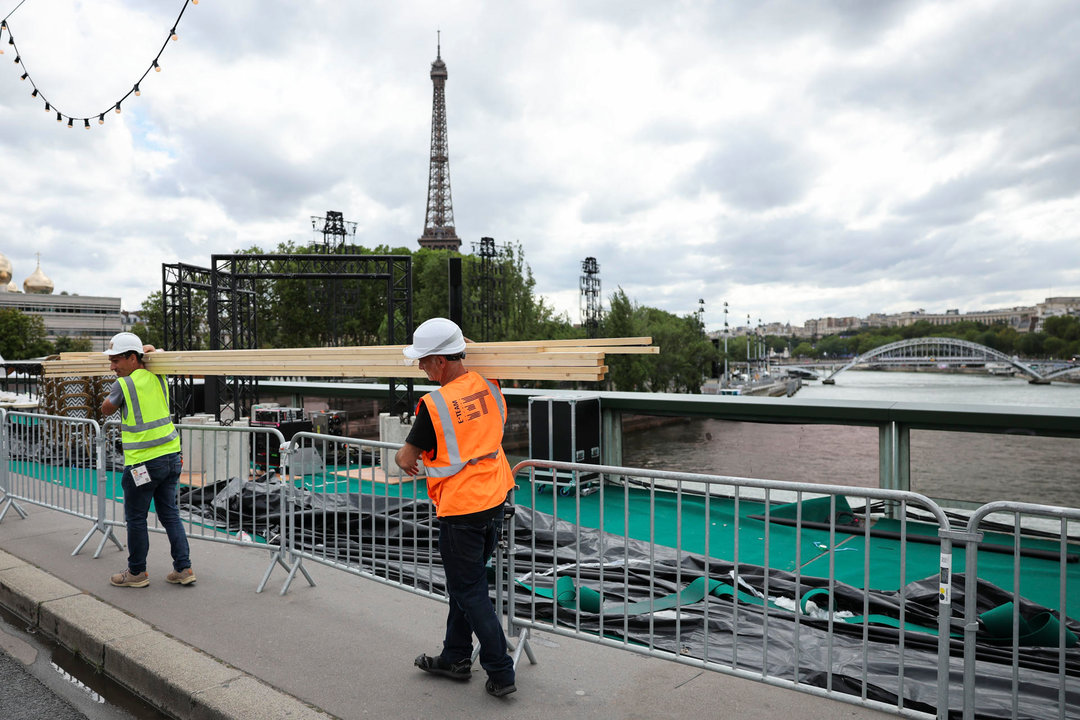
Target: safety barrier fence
[(356, 511), (732, 583), (1050, 659), (54, 462), (230, 489), (844, 592), (856, 594)]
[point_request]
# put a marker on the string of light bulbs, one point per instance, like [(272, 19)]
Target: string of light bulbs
[(51, 107)]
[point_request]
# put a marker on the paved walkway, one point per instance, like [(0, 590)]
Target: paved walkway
[(218, 649)]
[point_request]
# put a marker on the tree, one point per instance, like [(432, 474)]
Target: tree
[(802, 350), (1065, 327), (1055, 347), (836, 346), (686, 355), (625, 372), (151, 329), (864, 343), (22, 336)]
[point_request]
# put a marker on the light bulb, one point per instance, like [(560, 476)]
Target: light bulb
[(86, 123), (194, 2), (58, 118), (69, 123), (138, 92), (157, 68), (47, 108), (24, 76), (101, 119), (117, 108), (34, 94), (174, 35)]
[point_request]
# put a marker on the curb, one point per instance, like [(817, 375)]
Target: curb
[(176, 678)]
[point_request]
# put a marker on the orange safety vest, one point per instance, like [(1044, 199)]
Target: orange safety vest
[(469, 471)]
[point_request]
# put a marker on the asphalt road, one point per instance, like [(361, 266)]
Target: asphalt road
[(40, 681)]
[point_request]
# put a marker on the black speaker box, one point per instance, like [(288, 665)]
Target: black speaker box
[(565, 428)]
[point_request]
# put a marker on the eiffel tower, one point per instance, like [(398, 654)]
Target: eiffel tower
[(439, 230)]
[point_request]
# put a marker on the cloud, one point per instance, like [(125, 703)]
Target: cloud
[(794, 158)]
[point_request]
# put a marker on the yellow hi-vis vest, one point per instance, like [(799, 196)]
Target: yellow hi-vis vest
[(146, 427), (469, 472)]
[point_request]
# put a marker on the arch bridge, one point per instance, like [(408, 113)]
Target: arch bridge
[(937, 351)]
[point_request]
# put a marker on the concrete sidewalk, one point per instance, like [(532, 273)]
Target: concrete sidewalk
[(218, 649)]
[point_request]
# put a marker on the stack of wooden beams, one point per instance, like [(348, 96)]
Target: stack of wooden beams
[(523, 360)]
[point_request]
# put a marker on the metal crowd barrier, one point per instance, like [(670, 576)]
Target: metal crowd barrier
[(231, 489), (1023, 625), (766, 580), (761, 607), (354, 510), (55, 462)]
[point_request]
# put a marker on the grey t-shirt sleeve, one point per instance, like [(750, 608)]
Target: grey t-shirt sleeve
[(116, 395)]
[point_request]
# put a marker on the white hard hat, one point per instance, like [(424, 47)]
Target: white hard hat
[(437, 336), (124, 342)]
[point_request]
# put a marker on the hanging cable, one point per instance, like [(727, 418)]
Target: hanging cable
[(50, 107)]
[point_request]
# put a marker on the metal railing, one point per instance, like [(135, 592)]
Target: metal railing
[(736, 613), (791, 584), (55, 462), (1051, 658), (229, 488), (355, 511)]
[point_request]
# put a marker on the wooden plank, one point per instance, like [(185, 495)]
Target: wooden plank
[(494, 373), (515, 360)]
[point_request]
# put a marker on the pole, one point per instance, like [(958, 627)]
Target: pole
[(726, 378), (760, 345), (748, 327)]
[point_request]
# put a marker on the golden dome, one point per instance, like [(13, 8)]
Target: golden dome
[(12, 287), (38, 283), (5, 270)]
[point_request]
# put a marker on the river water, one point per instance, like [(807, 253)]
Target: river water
[(972, 467)]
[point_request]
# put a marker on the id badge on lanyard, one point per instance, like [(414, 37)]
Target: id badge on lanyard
[(140, 474)]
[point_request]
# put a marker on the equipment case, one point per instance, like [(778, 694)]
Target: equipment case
[(565, 428)]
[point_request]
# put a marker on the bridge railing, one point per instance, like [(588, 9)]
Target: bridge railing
[(755, 578), (893, 420)]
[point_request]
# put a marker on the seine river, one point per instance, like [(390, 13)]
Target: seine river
[(960, 466)]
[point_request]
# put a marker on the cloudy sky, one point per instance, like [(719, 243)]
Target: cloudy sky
[(795, 158)]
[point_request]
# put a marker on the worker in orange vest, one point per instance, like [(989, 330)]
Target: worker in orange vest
[(458, 433)]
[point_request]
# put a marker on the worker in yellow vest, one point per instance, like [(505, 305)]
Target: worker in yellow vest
[(458, 432), (151, 460)]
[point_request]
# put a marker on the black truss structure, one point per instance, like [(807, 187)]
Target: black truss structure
[(394, 270), (185, 324), (229, 288), (489, 315), (334, 230), (590, 296)]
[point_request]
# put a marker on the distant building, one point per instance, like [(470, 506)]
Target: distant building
[(129, 320), (830, 326), (1056, 306), (74, 316), (1020, 318)]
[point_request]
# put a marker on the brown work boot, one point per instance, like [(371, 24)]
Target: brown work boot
[(130, 579), (184, 577)]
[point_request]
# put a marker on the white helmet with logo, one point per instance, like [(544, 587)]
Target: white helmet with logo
[(437, 336), (124, 342)]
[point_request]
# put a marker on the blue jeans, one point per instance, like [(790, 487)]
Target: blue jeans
[(164, 477), (465, 549)]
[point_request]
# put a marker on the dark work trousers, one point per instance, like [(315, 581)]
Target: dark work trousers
[(465, 549), (164, 476)]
